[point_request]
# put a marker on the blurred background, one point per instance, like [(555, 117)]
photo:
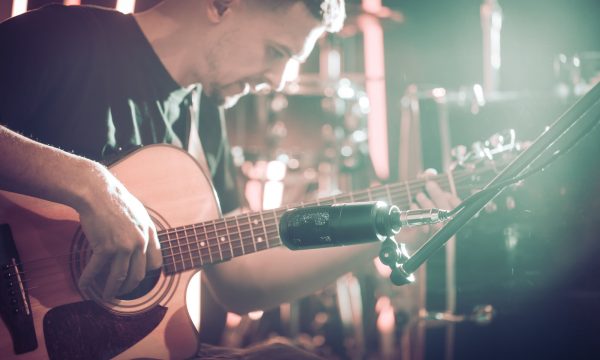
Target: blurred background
[(460, 86)]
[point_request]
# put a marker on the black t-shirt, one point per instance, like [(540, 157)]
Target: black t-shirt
[(86, 80)]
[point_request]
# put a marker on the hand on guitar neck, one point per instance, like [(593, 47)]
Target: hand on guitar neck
[(431, 196)]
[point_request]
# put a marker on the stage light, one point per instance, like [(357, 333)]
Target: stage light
[(255, 315), (125, 6), (19, 7), (375, 87)]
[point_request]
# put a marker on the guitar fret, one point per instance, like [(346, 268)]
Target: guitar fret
[(237, 249), (252, 235), (221, 239), (175, 248), (379, 194), (228, 238), (196, 246), (205, 254), (167, 254), (272, 229), (259, 236), (362, 196), (343, 198), (214, 247), (262, 222), (189, 232), (246, 234), (179, 235), (241, 234), (215, 240)]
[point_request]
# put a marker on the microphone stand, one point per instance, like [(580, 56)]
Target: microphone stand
[(577, 121)]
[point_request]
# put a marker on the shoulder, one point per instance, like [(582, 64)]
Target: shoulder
[(59, 21)]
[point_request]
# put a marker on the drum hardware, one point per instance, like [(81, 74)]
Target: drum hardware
[(564, 134), (481, 315), (337, 164), (413, 125)]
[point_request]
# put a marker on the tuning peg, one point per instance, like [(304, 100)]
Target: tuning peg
[(459, 153)]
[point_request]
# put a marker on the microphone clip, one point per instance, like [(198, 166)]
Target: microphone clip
[(394, 256)]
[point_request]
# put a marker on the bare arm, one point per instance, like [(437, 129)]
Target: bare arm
[(267, 278), (116, 224)]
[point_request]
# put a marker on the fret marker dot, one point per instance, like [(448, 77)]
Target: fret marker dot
[(259, 239), (203, 243), (222, 238), (255, 222)]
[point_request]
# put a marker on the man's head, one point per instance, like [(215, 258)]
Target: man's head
[(330, 13), (253, 42)]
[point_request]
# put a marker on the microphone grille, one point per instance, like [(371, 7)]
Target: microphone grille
[(305, 227)]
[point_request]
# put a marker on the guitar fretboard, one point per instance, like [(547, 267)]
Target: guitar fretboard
[(193, 246)]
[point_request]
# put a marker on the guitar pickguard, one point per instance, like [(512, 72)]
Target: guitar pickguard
[(86, 330)]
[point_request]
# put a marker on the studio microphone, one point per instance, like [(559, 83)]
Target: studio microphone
[(349, 224)]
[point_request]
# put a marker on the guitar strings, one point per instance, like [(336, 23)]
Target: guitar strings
[(442, 179), (174, 231), (178, 246), (214, 251), (207, 239)]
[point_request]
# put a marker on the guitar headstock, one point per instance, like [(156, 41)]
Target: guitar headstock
[(498, 148), (485, 159)]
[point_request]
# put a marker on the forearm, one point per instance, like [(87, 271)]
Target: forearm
[(268, 278), (35, 169), (117, 226), (265, 279)]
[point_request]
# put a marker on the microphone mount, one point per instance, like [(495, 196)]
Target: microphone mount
[(564, 134)]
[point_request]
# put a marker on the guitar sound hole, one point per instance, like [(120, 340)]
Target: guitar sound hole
[(144, 287)]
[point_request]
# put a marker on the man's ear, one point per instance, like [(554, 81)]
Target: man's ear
[(218, 8)]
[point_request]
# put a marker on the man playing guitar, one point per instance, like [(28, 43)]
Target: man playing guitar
[(79, 85)]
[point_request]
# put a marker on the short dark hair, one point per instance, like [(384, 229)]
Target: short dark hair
[(331, 13)]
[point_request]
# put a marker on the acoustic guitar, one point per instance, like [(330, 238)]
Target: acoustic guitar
[(43, 252)]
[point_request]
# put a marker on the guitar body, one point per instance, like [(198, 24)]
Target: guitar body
[(159, 322)]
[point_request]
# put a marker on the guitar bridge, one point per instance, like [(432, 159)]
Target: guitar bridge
[(15, 307)]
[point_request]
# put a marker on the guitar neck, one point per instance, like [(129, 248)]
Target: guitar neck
[(193, 246)]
